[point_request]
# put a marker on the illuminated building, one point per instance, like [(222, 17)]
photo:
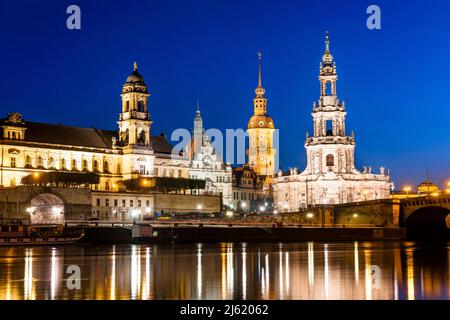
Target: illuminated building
[(330, 176), (207, 165)]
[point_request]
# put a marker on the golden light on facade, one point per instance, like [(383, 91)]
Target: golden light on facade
[(36, 175), (435, 194)]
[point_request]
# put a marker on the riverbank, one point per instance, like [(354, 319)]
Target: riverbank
[(234, 233)]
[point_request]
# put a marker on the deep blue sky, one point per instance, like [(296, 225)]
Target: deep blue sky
[(395, 81)]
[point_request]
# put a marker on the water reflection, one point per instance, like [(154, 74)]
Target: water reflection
[(348, 270)]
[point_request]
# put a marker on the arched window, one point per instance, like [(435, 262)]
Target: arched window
[(141, 106), (125, 136), (51, 163), (85, 165), (62, 164), (40, 162), (95, 166), (106, 167), (74, 165), (28, 163), (330, 160), (141, 136)]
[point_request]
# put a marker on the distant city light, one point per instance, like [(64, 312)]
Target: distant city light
[(229, 213), (310, 215), (199, 207), (243, 205), (275, 211), (148, 210), (355, 215), (262, 209), (36, 175)]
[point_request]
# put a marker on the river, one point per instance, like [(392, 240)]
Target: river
[(306, 270)]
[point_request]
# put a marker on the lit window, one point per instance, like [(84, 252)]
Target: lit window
[(13, 162)]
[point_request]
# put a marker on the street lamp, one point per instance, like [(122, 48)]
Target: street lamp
[(407, 189), (262, 209), (310, 216)]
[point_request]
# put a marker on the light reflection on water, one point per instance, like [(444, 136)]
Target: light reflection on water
[(340, 270)]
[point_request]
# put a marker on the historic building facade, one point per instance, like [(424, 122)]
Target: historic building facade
[(330, 176), (207, 165), (130, 152), (248, 190)]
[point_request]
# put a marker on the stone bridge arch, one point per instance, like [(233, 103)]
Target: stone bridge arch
[(429, 222), (46, 208)]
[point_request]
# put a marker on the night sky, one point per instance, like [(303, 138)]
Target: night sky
[(395, 81)]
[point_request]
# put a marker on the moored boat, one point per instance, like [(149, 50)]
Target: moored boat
[(17, 233)]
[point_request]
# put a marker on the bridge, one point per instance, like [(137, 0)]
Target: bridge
[(428, 215), (427, 212)]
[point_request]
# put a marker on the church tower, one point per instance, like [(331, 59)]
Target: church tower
[(329, 150), (261, 151), (134, 128), (198, 131), (134, 121)]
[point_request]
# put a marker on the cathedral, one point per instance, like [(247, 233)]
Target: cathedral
[(330, 176)]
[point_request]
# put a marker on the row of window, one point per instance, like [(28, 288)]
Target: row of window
[(218, 178), (63, 164), (243, 196), (167, 172), (122, 202)]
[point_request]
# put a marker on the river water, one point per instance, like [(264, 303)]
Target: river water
[(306, 270)]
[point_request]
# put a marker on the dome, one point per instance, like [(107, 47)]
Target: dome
[(261, 121), (135, 77)]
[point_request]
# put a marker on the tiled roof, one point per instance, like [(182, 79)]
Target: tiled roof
[(81, 137)]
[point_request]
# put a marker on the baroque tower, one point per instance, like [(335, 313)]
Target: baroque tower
[(134, 121), (329, 149), (134, 127), (261, 151)]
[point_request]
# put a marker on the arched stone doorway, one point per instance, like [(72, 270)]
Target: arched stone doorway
[(47, 208)]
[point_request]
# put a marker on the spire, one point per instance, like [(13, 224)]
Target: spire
[(327, 66), (259, 89), (135, 66), (198, 117), (327, 57), (259, 70)]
